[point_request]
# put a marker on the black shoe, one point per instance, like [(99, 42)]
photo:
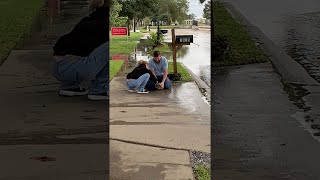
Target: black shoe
[(73, 92), (97, 97)]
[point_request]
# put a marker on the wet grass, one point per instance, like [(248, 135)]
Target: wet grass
[(123, 44), (134, 36), (243, 48), (16, 17), (143, 30), (164, 49), (115, 68), (185, 76), (202, 173)]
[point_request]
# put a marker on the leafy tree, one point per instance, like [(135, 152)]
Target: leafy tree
[(191, 16), (136, 10), (114, 14), (207, 10)]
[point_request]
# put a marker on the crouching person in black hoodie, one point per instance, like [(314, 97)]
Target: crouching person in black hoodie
[(83, 55), (138, 78)]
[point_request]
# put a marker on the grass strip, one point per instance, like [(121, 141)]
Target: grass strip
[(16, 18), (123, 44), (243, 48), (185, 76), (115, 68), (202, 173)]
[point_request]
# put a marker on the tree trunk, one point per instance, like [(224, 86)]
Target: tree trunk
[(128, 22), (134, 25)]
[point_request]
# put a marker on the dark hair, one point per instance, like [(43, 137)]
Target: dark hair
[(156, 53)]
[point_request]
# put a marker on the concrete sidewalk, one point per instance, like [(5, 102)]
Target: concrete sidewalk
[(152, 134), (261, 129), (69, 133)]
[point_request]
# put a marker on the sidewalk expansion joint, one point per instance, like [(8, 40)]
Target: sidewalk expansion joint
[(150, 145)]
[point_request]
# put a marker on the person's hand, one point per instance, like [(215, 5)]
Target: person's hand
[(162, 85)]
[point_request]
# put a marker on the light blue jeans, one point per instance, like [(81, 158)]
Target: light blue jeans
[(73, 70), (139, 83)]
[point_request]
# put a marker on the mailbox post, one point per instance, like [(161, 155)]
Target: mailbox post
[(176, 45)]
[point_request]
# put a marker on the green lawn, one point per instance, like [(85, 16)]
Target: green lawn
[(122, 45), (115, 67), (243, 48), (134, 36), (16, 17), (186, 77), (202, 173), (162, 48), (142, 30)]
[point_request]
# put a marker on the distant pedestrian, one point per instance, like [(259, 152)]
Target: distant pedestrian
[(83, 55), (158, 65), (138, 78)]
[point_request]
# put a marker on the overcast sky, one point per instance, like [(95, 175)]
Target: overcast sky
[(196, 7)]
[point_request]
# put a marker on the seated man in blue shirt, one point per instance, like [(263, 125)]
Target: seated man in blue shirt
[(158, 65)]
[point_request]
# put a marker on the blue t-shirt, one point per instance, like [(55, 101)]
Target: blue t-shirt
[(158, 68)]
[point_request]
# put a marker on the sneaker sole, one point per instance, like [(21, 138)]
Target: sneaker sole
[(142, 92), (71, 93), (133, 91), (97, 98)]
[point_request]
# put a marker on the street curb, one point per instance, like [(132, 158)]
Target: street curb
[(289, 70), (203, 87)]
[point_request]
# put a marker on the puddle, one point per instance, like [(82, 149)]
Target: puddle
[(187, 96), (296, 93)]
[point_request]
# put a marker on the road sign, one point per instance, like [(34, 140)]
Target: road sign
[(120, 57), (119, 31)]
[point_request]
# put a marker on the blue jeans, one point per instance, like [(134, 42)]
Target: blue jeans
[(72, 70), (151, 85), (139, 83)]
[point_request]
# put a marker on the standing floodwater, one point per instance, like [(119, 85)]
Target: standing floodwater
[(195, 56), (294, 25)]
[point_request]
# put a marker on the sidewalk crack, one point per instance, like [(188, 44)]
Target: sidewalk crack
[(150, 145)]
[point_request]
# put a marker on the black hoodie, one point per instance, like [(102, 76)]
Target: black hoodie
[(88, 34), (139, 71)]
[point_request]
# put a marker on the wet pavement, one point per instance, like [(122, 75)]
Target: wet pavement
[(152, 135), (260, 129), (36, 122), (293, 25)]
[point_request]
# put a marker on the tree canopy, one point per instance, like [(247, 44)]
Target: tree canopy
[(207, 10)]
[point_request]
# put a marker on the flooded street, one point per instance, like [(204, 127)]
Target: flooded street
[(195, 56), (293, 25)]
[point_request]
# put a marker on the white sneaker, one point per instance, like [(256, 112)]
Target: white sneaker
[(132, 90), (143, 92)]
